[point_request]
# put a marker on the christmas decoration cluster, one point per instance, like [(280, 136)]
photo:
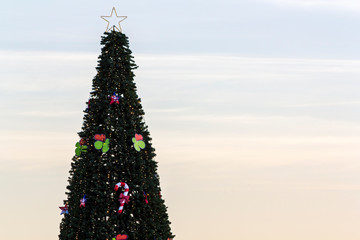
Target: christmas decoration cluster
[(114, 188)]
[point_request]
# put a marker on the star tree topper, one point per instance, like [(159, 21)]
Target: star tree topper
[(113, 26)]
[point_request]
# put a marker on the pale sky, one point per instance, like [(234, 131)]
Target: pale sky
[(253, 107)]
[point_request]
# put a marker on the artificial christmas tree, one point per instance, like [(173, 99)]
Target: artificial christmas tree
[(114, 190)]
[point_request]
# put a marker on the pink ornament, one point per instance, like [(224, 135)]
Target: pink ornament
[(122, 197), (146, 200)]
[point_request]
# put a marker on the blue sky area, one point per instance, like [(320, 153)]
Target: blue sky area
[(291, 28)]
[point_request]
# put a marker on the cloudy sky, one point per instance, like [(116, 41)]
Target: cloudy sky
[(253, 107)]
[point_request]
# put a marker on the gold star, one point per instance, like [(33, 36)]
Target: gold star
[(113, 27)]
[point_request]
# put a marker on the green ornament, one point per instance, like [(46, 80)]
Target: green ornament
[(98, 145), (80, 149), (138, 142), (104, 146)]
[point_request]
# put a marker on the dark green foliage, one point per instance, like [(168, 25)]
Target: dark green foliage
[(95, 172)]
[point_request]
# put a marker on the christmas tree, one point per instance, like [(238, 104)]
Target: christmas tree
[(114, 190)]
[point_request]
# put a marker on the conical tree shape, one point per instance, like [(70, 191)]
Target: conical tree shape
[(111, 151)]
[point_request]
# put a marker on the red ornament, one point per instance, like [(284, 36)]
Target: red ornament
[(138, 137), (82, 142), (123, 197), (100, 137), (121, 237)]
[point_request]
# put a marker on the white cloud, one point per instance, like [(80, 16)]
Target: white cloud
[(328, 104), (278, 102), (349, 5), (48, 114), (45, 71)]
